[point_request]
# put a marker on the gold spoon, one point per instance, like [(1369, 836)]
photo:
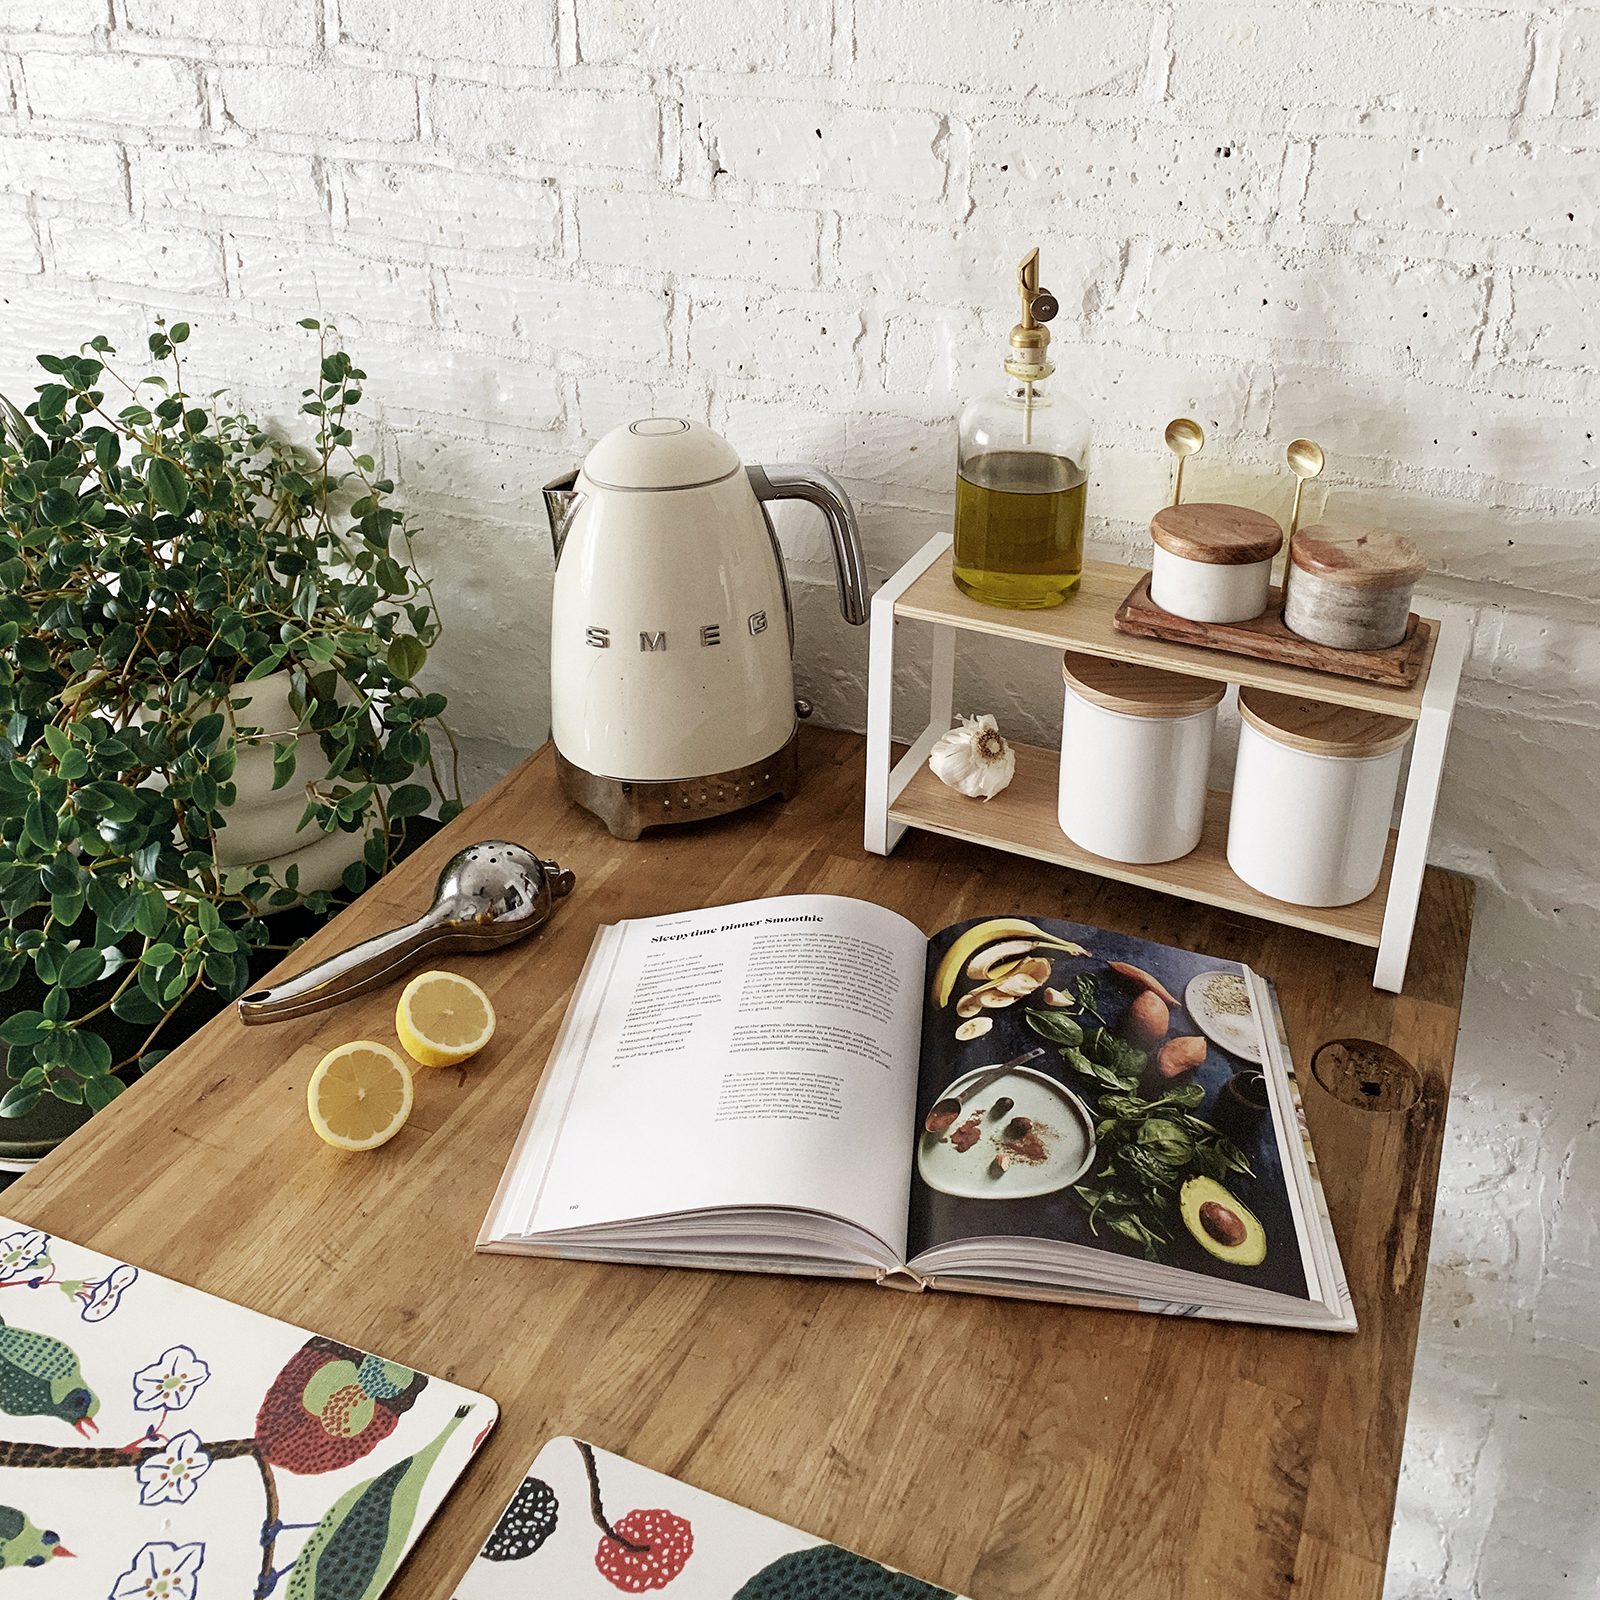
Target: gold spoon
[(1184, 438), (1306, 460)]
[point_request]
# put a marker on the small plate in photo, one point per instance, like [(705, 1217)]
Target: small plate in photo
[(1062, 1153), (1234, 1031)]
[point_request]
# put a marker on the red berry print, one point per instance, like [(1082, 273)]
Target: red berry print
[(644, 1549), (667, 1543)]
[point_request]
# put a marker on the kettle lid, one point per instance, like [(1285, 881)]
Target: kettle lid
[(660, 453)]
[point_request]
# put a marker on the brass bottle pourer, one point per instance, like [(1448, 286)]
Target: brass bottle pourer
[(1030, 339)]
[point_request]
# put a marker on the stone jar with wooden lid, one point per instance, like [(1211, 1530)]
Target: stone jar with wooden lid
[(1313, 791), (1135, 750), (1213, 563), (1350, 588)]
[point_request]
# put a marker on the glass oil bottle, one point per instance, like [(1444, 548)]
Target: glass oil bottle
[(1022, 471)]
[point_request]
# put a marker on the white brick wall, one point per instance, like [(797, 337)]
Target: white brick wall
[(62, 90), (1375, 223)]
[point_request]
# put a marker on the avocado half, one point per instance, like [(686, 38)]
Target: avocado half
[(1216, 1219)]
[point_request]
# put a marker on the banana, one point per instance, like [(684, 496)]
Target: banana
[(984, 933), (993, 962)]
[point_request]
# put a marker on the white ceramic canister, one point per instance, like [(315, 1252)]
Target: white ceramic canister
[(1313, 791), (1213, 563), (1350, 588), (1135, 748)]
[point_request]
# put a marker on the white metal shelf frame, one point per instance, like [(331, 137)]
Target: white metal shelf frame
[(887, 780)]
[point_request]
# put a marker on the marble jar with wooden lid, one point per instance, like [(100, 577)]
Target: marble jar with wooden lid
[(1135, 750), (1313, 791), (1213, 563), (1350, 588)]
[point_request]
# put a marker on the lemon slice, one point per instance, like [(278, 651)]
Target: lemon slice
[(443, 1019), (359, 1096)]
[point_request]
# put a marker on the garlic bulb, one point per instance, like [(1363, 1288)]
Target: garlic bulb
[(973, 759)]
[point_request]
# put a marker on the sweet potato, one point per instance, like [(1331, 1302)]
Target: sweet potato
[(1180, 1055), (1126, 969), (1147, 1020)]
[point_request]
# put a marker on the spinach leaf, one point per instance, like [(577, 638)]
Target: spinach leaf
[(1058, 1029)]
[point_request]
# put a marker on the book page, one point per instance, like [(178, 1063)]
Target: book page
[(1139, 1128), (762, 1054)]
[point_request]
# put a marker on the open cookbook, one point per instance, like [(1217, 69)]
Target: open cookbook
[(585, 1523), (1018, 1106)]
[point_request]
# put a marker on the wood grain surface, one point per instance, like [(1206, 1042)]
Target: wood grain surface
[(1269, 638), (1087, 621), (1137, 690), (1320, 729), (1024, 817), (1218, 535), (1001, 1448), (1364, 558)]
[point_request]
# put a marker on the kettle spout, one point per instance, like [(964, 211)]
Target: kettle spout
[(561, 502)]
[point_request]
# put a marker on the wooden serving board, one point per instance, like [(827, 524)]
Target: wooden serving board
[(1267, 638)]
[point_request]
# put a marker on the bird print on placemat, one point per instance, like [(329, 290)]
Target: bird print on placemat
[(22, 1544), (40, 1377), (330, 1405), (354, 1549)]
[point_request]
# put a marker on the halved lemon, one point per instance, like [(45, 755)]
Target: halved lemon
[(443, 1019), (359, 1096)]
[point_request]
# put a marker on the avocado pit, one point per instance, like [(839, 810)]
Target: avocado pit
[(1221, 1223)]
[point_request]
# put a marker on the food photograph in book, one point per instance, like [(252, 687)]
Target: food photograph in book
[(1096, 1089)]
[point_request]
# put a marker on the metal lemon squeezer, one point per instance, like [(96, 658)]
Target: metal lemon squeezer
[(490, 894)]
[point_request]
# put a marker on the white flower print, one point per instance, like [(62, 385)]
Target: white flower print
[(162, 1572), (170, 1382), (174, 1472), (23, 1254), (102, 1298)]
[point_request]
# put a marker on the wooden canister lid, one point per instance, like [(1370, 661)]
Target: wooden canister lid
[(1138, 691), (1362, 558), (1221, 536), (1321, 729)]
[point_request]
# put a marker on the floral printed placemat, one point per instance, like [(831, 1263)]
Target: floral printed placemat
[(157, 1443), (585, 1525)]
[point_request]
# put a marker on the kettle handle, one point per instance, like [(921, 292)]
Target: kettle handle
[(797, 481)]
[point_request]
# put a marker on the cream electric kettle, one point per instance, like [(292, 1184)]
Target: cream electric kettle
[(671, 636)]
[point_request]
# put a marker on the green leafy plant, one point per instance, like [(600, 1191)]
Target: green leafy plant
[(155, 555)]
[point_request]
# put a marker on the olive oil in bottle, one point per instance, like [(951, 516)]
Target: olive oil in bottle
[(1019, 527), (1022, 472)]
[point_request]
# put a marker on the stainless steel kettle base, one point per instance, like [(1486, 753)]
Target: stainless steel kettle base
[(629, 807)]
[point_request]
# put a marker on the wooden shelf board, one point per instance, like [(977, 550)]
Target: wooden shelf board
[(1084, 623), (1022, 819)]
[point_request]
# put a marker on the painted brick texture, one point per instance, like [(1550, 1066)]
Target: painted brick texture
[(1375, 223)]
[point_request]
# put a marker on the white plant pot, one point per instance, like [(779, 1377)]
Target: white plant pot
[(262, 825)]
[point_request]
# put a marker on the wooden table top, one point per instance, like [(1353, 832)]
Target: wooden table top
[(1000, 1448)]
